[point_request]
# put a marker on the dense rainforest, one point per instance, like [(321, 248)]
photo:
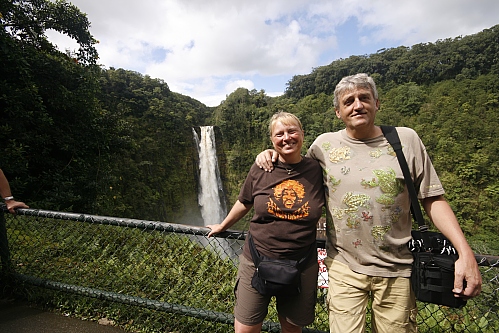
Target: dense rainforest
[(78, 137)]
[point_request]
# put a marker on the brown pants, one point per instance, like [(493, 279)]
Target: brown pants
[(251, 307)]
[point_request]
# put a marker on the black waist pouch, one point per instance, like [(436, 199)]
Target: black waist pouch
[(432, 276), (277, 277)]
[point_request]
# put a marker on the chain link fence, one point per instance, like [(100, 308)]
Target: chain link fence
[(148, 276)]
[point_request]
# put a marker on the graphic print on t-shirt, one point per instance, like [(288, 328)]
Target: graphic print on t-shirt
[(287, 201)]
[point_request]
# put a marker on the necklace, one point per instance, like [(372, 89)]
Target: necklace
[(289, 170)]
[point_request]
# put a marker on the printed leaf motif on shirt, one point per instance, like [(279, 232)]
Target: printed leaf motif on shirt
[(337, 155), (375, 153), (379, 232), (369, 183), (366, 216), (395, 214), (332, 180), (388, 184), (353, 221), (353, 202), (390, 151)]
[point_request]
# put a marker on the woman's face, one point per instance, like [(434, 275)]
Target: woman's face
[(287, 140)]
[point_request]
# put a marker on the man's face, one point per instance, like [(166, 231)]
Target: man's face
[(357, 109)]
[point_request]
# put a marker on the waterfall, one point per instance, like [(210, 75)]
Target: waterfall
[(210, 196)]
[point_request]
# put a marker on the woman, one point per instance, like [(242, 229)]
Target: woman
[(287, 204)]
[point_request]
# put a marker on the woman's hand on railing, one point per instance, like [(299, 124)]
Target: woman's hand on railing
[(11, 205), (215, 229)]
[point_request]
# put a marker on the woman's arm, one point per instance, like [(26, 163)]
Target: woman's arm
[(236, 213), (6, 195)]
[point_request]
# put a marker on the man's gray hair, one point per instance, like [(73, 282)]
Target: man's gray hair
[(360, 80)]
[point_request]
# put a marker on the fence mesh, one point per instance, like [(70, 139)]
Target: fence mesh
[(150, 276)]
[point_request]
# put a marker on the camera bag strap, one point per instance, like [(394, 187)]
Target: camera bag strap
[(393, 139)]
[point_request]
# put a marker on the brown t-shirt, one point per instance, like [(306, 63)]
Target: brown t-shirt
[(287, 203), (368, 217)]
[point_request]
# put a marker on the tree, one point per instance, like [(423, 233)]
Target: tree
[(49, 131), (27, 22)]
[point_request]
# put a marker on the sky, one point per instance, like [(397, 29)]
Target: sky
[(206, 49)]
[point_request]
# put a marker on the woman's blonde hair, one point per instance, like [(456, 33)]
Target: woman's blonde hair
[(285, 118)]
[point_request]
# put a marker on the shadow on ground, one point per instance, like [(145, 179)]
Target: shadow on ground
[(20, 317)]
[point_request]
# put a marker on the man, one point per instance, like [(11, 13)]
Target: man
[(369, 220), (7, 195)]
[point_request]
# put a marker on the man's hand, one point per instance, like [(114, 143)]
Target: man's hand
[(265, 160), (466, 269)]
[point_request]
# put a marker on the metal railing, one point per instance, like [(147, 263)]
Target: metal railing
[(149, 276)]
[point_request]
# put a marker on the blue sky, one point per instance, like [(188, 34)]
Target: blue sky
[(206, 49)]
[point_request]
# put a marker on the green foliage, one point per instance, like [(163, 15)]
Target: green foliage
[(460, 128), (426, 63), (115, 142), (152, 166), (27, 21), (48, 106)]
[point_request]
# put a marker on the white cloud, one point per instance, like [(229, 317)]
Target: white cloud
[(233, 85), (424, 21), (203, 48)]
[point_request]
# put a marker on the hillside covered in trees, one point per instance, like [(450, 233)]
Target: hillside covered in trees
[(81, 138)]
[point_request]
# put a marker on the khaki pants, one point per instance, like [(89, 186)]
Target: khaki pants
[(393, 303)]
